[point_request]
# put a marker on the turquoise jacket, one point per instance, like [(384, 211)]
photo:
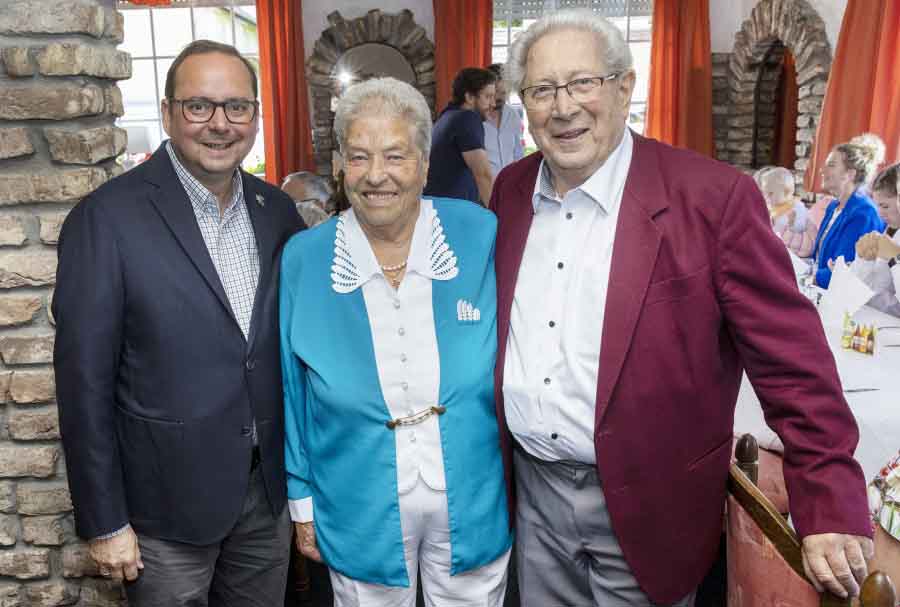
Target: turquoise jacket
[(337, 447)]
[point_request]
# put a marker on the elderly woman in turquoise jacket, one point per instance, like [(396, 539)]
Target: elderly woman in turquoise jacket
[(388, 338)]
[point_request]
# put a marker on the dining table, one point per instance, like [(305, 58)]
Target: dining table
[(871, 385)]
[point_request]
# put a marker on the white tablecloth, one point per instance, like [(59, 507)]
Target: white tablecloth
[(877, 412)]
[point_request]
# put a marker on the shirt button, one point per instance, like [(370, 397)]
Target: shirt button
[(401, 331), (397, 304), (554, 436), (546, 381), (560, 265), (412, 437), (552, 324), (568, 215), (250, 364), (403, 358), (404, 385)]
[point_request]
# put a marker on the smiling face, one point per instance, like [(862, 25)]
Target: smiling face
[(384, 170), (576, 139), (210, 151)]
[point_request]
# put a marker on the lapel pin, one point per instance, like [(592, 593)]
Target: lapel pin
[(260, 200)]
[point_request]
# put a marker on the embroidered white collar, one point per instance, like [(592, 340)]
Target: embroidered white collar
[(354, 262)]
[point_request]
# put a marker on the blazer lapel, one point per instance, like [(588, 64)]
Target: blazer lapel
[(265, 232), (636, 247), (173, 204), (512, 235)]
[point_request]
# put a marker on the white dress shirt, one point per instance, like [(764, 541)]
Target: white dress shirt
[(504, 145), (406, 352), (556, 323)]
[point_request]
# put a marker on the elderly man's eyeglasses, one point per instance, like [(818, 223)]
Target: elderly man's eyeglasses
[(200, 109), (581, 90)]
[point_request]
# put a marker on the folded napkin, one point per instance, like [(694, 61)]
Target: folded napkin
[(846, 294)]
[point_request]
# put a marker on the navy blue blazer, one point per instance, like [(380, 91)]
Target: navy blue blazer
[(156, 384)]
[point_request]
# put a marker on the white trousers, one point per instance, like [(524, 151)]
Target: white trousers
[(426, 544)]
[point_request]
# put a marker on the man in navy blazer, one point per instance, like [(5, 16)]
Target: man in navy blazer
[(636, 283), (167, 357)]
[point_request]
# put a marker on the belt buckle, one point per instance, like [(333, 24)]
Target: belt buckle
[(415, 418)]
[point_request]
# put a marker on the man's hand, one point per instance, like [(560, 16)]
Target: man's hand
[(837, 562), (305, 538), (117, 557)]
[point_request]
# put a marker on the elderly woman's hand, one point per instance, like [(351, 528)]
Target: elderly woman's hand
[(305, 538)]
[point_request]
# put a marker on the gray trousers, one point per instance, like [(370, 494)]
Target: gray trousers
[(246, 569), (568, 555)]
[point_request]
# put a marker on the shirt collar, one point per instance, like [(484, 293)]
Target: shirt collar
[(201, 198), (355, 264), (602, 187)]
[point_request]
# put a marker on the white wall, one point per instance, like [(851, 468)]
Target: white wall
[(315, 13), (726, 17)]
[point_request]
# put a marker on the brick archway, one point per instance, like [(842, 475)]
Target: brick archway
[(399, 32), (753, 71)]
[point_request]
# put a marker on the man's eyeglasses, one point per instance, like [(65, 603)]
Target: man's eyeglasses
[(581, 90), (200, 109)]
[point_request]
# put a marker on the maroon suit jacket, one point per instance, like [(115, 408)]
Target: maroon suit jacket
[(700, 289)]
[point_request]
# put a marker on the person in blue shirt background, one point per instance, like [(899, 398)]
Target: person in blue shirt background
[(849, 167), (458, 163), (502, 128)]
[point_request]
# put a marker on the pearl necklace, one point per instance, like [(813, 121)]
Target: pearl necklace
[(395, 268)]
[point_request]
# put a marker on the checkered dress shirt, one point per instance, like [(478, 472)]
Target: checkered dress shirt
[(229, 239)]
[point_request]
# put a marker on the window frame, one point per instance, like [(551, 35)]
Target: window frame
[(155, 58), (512, 10)]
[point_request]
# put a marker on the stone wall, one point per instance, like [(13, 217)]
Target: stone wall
[(58, 103)]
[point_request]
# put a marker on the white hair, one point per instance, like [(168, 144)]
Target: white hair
[(384, 96), (616, 54), (782, 176)]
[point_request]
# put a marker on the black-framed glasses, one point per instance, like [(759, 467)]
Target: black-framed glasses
[(201, 109), (581, 90)]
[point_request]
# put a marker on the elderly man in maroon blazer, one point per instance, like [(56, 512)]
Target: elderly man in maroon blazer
[(636, 283)]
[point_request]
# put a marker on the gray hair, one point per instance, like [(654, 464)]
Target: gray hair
[(317, 185), (616, 55), (385, 96), (783, 176)]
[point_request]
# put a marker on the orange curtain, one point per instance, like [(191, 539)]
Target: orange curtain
[(679, 103), (862, 93), (785, 152), (463, 32), (284, 94)]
